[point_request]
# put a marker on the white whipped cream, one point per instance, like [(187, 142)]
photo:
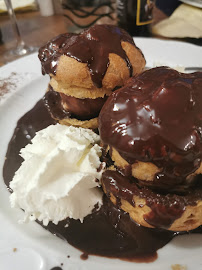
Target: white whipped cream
[(57, 177)]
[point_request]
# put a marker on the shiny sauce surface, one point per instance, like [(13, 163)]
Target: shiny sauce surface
[(62, 106), (108, 232), (91, 46), (165, 207), (157, 117)]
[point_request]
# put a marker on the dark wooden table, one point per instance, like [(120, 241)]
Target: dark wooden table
[(36, 30)]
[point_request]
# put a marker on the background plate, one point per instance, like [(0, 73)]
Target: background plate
[(195, 3), (37, 249)]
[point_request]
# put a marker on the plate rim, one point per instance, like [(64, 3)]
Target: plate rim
[(95, 260)]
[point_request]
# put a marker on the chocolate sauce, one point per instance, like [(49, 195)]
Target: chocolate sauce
[(156, 118), (107, 232), (165, 208), (110, 232), (53, 103), (91, 46), (84, 256), (83, 109), (62, 106), (56, 268), (27, 126)]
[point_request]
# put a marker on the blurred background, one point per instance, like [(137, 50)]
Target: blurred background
[(39, 21)]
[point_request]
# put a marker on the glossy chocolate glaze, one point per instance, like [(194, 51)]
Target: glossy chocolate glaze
[(62, 106), (91, 46), (157, 118), (83, 109), (107, 232), (53, 103), (165, 208)]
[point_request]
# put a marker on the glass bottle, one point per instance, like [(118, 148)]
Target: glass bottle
[(135, 16)]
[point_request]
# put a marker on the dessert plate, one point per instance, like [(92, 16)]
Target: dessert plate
[(29, 246), (195, 3)]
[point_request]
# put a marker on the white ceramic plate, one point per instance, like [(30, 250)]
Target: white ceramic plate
[(37, 249), (195, 3)]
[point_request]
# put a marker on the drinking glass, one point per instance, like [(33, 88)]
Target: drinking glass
[(82, 14), (21, 48)]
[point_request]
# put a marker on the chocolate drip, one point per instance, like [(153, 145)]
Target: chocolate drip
[(50, 52), (156, 118), (83, 109), (92, 46), (84, 256), (62, 106), (53, 103), (165, 209)]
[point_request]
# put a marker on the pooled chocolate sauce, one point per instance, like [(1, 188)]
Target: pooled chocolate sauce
[(156, 118), (108, 232), (92, 46), (62, 106), (165, 208), (27, 126)]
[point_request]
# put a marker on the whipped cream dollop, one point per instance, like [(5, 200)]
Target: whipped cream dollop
[(59, 176)]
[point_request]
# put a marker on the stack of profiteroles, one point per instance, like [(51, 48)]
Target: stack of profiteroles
[(85, 69), (151, 130)]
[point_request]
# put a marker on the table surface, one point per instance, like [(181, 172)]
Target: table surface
[(37, 30)]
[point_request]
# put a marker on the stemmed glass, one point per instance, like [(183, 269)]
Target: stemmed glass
[(21, 48)]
